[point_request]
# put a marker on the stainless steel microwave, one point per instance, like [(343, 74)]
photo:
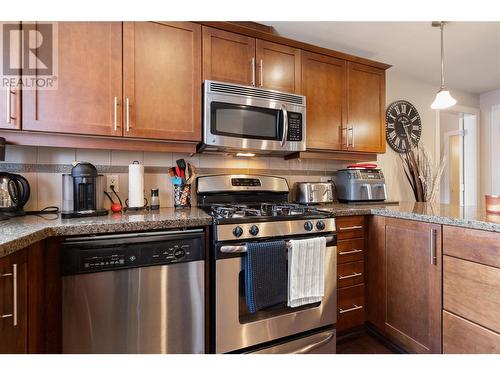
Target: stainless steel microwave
[(240, 118)]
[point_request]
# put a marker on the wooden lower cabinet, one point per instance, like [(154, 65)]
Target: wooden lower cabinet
[(350, 273), (471, 291), (350, 307), (30, 300), (461, 336), (404, 282), (14, 303)]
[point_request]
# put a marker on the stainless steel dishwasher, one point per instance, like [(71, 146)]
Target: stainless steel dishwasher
[(134, 293)]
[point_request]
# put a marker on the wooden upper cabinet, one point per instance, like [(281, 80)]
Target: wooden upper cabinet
[(162, 80), (278, 67), (228, 57), (366, 106), (324, 86), (89, 80), (14, 303), (413, 294), (10, 100)]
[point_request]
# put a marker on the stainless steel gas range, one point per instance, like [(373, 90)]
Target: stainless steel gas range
[(247, 209)]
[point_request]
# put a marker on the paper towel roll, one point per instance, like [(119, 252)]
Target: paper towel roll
[(135, 185)]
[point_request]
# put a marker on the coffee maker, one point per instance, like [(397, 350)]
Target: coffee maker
[(83, 192)]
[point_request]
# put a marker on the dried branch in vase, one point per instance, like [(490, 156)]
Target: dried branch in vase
[(423, 174)]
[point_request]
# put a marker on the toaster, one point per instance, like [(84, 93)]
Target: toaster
[(358, 185), (313, 192)]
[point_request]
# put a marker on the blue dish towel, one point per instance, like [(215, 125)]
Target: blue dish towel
[(266, 276)]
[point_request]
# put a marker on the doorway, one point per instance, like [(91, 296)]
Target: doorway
[(458, 144)]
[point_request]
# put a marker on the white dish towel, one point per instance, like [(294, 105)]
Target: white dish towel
[(306, 271)]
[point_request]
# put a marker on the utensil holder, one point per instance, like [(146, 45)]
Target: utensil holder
[(182, 196)]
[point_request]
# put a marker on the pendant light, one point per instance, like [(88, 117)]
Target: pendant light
[(443, 97)]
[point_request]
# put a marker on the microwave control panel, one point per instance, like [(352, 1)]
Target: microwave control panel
[(294, 127)]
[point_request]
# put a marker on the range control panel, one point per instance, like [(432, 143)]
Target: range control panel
[(294, 127), (105, 255)]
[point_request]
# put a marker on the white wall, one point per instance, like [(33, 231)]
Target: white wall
[(490, 142), (421, 95), (449, 122), (471, 175)]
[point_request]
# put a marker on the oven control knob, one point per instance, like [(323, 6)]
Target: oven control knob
[(237, 232), (254, 230), (308, 226), (320, 225)]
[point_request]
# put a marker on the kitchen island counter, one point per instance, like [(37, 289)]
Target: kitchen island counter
[(468, 217)]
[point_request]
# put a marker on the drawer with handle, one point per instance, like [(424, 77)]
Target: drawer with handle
[(350, 227), (350, 307), (350, 250), (350, 274), (461, 336), (472, 291)]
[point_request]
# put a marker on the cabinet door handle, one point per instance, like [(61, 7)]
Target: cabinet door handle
[(350, 129), (115, 113), (433, 256), (355, 251), (354, 227), (9, 116), (8, 107), (14, 295), (353, 308), (253, 71), (127, 113), (261, 73), (346, 144), (354, 274)]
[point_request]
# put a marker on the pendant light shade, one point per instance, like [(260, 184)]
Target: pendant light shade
[(443, 100), (443, 97)]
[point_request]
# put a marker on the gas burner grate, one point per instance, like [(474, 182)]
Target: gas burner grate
[(234, 211), (223, 211)]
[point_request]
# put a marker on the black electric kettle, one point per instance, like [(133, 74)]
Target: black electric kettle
[(14, 192)]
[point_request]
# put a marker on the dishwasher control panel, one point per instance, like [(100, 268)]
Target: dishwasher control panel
[(119, 252)]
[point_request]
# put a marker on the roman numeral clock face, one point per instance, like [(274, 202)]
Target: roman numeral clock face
[(403, 126)]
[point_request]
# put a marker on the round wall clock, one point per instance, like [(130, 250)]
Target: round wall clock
[(402, 121)]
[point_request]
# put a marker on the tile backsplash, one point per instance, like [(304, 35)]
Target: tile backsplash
[(43, 167)]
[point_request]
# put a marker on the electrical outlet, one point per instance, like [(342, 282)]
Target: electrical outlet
[(112, 179)]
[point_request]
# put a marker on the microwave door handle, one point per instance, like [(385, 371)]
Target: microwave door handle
[(285, 125)]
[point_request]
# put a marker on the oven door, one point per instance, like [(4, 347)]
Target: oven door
[(246, 123), (236, 328)]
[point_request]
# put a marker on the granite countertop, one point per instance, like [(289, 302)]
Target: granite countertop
[(16, 234), (467, 217)]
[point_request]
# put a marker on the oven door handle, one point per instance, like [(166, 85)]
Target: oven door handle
[(243, 249), (285, 125), (309, 348)]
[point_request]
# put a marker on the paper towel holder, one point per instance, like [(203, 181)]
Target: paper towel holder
[(136, 184)]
